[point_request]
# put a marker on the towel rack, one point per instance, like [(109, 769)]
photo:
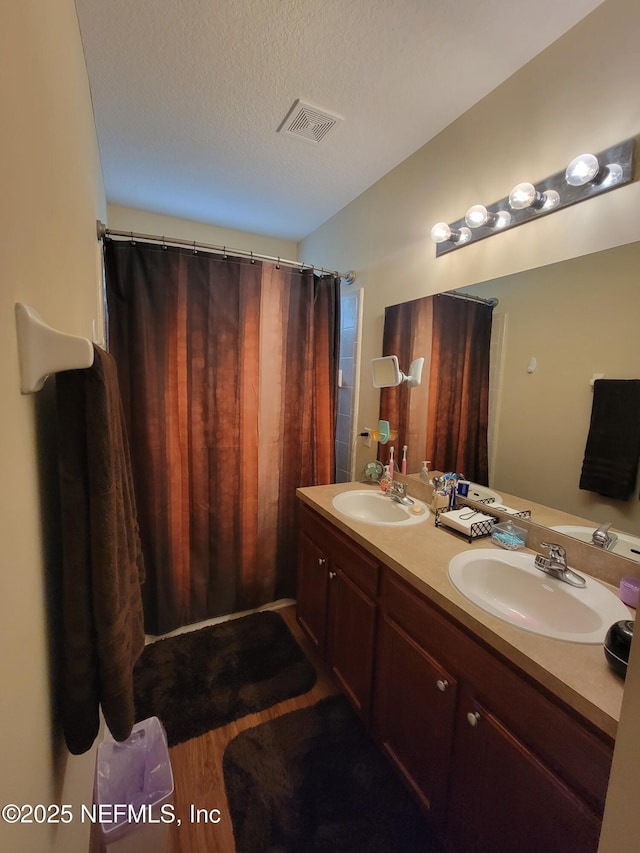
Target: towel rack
[(43, 350)]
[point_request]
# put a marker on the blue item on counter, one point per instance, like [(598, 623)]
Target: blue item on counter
[(507, 535)]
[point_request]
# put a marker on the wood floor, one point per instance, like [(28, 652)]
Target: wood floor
[(197, 766)]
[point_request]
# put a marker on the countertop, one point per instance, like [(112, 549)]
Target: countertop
[(575, 673)]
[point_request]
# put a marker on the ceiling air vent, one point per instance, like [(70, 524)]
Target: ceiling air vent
[(308, 122)]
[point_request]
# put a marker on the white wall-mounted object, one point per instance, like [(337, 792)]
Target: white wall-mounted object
[(594, 377), (533, 363), (43, 350), (386, 372)]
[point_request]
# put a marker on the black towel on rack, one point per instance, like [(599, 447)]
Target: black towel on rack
[(612, 452)]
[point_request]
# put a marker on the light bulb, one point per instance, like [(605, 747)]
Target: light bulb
[(502, 219), (526, 195), (582, 170), (522, 196), (441, 233), (476, 216), (612, 176), (551, 199)]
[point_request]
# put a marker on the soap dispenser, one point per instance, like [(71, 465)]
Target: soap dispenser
[(424, 474)]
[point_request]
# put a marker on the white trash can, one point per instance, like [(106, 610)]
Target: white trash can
[(134, 790)]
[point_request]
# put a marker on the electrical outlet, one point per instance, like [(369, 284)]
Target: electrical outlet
[(366, 439)]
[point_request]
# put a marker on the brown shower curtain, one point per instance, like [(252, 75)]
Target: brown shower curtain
[(228, 373), (444, 419)]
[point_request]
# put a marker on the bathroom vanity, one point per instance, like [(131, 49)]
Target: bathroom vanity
[(504, 736)]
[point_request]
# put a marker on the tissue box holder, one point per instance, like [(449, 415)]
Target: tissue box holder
[(476, 531)]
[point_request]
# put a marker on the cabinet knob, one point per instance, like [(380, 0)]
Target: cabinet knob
[(322, 561), (473, 718), (442, 684), (332, 575)]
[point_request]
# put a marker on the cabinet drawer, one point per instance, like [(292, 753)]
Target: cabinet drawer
[(420, 620)]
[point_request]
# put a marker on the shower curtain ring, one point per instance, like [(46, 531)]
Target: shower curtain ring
[(164, 245), (278, 264), (195, 251), (133, 242), (252, 261)]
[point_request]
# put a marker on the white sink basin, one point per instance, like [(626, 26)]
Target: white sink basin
[(483, 493), (508, 585), (626, 546), (374, 507)]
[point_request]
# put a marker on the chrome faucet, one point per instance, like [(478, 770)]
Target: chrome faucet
[(398, 492), (603, 538), (556, 565)]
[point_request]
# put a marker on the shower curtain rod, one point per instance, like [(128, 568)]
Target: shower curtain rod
[(492, 301), (103, 231)]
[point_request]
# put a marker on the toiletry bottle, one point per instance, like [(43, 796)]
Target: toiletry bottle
[(391, 463), (452, 491), (385, 482), (403, 464), (424, 474)]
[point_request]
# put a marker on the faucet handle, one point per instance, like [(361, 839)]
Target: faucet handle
[(602, 537), (556, 551)]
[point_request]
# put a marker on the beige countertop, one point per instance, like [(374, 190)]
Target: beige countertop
[(577, 674)]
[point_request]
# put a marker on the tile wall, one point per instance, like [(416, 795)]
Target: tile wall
[(350, 328)]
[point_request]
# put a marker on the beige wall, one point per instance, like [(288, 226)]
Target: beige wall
[(51, 196), (142, 221), (581, 94), (577, 318)]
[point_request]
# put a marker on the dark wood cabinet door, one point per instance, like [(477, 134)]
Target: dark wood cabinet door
[(352, 625), (313, 579), (414, 711), (502, 798)]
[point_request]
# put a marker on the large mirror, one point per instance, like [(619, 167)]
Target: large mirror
[(555, 328)]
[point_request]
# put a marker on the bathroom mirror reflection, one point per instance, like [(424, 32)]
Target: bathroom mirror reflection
[(576, 319), (385, 372)]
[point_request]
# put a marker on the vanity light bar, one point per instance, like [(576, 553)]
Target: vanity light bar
[(586, 176)]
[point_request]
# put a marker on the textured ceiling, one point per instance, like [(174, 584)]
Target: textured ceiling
[(188, 95)]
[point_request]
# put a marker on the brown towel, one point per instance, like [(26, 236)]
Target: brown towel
[(103, 629)]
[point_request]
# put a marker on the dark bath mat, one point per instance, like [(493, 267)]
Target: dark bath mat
[(313, 781), (206, 678)]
